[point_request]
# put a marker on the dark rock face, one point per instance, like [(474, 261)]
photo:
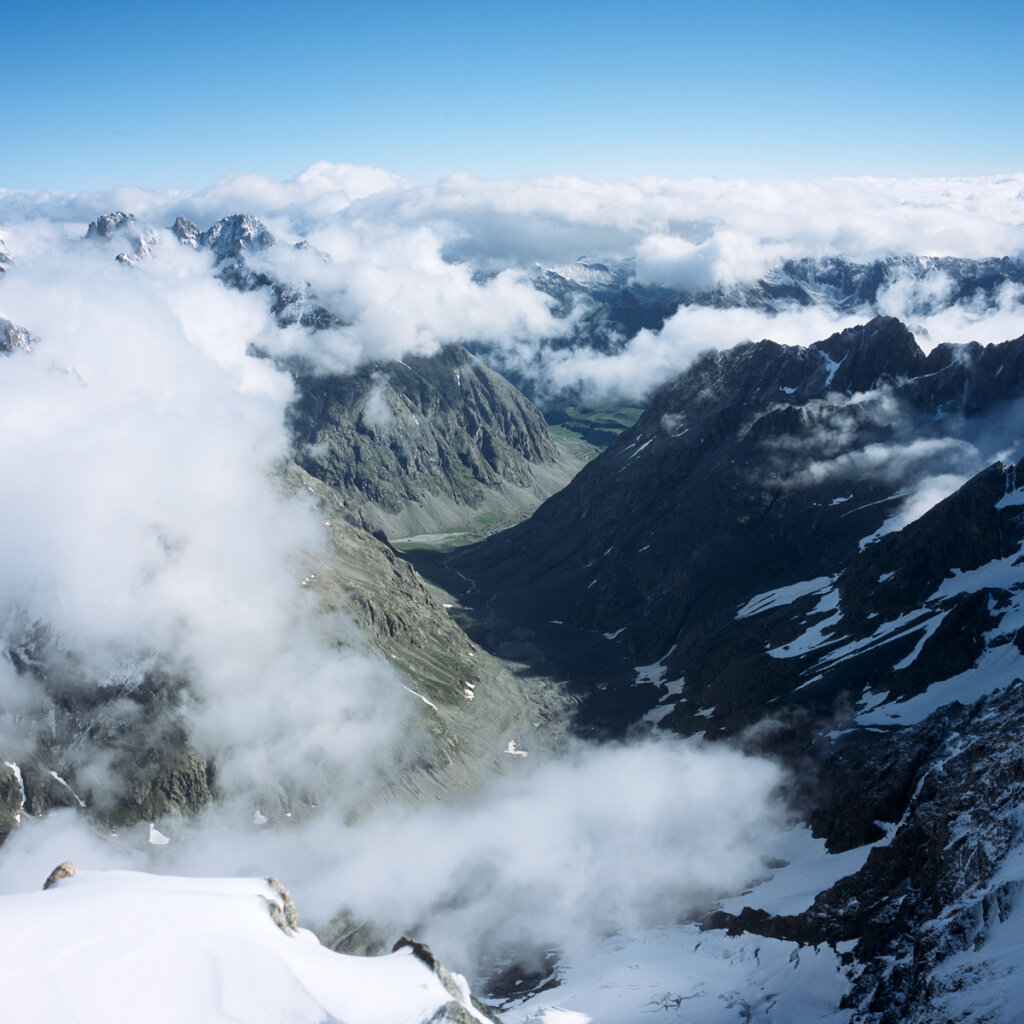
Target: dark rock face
[(736, 543), (435, 434), (951, 787), (761, 468), (134, 730)]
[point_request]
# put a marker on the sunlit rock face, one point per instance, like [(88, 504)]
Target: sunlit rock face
[(426, 443)]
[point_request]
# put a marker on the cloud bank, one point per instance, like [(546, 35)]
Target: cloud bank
[(408, 267)]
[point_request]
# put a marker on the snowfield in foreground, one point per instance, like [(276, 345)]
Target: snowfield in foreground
[(119, 946)]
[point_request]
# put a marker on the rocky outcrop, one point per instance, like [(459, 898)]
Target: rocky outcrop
[(282, 908), (119, 752), (29, 787), (457, 1010), (122, 227), (66, 869), (14, 338), (107, 224)]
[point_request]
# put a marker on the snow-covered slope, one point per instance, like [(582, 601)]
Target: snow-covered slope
[(122, 946)]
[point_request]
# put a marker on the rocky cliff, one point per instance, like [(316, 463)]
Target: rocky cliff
[(752, 561), (427, 444)]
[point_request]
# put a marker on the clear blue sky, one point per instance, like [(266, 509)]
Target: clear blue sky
[(102, 93)]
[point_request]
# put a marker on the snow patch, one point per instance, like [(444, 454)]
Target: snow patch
[(782, 596), (430, 704), (64, 783), (682, 973), (156, 837), (813, 637)]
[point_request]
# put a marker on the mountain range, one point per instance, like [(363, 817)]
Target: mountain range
[(813, 554)]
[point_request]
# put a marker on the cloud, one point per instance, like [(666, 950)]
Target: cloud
[(397, 295), (877, 437), (652, 357), (564, 851), (144, 529), (412, 266), (557, 853), (725, 259)]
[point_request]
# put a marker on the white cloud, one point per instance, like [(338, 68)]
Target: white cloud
[(403, 257)]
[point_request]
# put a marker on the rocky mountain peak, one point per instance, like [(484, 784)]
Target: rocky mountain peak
[(419, 440), (14, 338), (109, 223), (123, 226), (860, 358), (230, 238)]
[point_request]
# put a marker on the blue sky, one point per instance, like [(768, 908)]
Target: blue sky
[(105, 93)]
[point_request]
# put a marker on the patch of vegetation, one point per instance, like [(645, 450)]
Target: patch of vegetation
[(482, 526), (598, 425)]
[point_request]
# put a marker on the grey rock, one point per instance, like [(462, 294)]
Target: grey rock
[(66, 869), (282, 908), (14, 338), (108, 224), (455, 1011), (426, 444), (230, 238), (123, 226)]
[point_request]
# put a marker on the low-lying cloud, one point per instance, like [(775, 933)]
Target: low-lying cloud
[(555, 854), (408, 267)]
